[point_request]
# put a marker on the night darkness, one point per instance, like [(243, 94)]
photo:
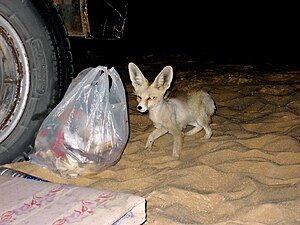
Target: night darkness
[(222, 32), (226, 30)]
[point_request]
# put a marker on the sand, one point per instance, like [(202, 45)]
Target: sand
[(247, 173)]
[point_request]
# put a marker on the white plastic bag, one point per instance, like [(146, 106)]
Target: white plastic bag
[(88, 130)]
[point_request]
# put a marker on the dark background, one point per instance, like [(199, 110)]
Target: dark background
[(214, 31)]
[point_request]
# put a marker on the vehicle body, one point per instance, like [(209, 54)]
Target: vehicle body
[(36, 60), (94, 18)]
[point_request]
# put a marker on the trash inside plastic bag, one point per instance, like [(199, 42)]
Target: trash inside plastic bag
[(88, 130)]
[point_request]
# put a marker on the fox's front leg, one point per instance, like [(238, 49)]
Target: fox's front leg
[(177, 143), (153, 136)]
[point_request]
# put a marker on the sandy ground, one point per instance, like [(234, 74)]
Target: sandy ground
[(247, 173)]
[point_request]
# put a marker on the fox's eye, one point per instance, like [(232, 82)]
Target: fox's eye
[(151, 98), (138, 98)]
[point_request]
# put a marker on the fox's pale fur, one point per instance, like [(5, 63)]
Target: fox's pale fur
[(172, 112)]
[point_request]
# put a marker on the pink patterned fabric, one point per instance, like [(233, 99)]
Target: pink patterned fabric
[(25, 201)]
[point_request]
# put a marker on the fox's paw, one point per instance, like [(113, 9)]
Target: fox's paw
[(207, 136), (148, 146), (208, 133), (175, 155), (149, 143)]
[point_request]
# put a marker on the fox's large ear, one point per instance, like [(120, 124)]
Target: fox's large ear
[(137, 78), (164, 78)]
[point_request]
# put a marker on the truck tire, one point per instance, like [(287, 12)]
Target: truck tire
[(35, 68)]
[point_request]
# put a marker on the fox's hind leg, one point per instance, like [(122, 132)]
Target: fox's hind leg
[(194, 130), (198, 126), (205, 124)]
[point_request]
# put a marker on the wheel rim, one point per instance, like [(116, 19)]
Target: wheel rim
[(14, 78)]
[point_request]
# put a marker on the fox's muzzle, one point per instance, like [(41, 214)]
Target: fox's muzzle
[(141, 109)]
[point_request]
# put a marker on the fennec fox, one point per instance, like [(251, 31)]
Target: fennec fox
[(171, 112)]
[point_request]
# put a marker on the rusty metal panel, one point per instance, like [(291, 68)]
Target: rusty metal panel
[(71, 13), (101, 19)]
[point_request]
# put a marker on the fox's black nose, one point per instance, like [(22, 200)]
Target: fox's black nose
[(139, 107)]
